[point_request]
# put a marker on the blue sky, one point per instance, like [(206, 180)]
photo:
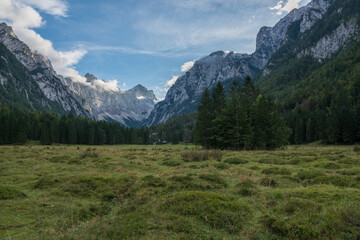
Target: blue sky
[(139, 42)]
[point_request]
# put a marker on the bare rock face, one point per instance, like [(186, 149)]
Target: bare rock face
[(126, 107), (333, 42), (42, 72), (183, 96)]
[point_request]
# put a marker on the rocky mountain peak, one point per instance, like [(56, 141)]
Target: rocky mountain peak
[(90, 77), (41, 71), (7, 30), (184, 95)]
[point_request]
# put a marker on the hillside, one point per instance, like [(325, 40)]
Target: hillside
[(314, 77)]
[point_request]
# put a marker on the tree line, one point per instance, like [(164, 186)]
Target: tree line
[(245, 119), (18, 127)]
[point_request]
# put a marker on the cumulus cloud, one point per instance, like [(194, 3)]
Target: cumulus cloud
[(53, 7), (187, 66), (282, 7), (172, 81), (110, 86)]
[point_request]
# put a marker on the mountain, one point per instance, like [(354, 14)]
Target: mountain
[(110, 103), (183, 96), (292, 74), (28, 81), (35, 83)]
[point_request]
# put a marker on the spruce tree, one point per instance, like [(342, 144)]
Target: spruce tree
[(204, 119)]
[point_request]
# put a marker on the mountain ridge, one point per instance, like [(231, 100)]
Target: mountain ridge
[(183, 97)]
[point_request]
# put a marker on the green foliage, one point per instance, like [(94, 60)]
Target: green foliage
[(175, 131), (247, 120), (20, 126), (319, 98)]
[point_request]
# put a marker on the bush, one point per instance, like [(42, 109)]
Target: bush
[(235, 161), (7, 193), (215, 210), (197, 156)]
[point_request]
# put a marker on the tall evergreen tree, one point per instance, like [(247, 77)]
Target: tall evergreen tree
[(204, 118)]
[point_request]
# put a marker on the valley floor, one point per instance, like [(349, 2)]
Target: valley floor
[(151, 192)]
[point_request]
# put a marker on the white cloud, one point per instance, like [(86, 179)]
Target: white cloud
[(111, 86), (282, 7), (187, 66), (160, 92), (128, 50), (172, 81), (62, 61), (202, 5), (53, 7)]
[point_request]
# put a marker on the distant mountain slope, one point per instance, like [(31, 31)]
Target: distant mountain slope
[(18, 88), (29, 81), (126, 107), (296, 72), (58, 98), (183, 96)]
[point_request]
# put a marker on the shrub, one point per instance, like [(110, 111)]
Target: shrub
[(197, 156), (217, 211), (235, 161), (10, 193)]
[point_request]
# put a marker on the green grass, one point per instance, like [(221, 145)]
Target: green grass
[(171, 192)]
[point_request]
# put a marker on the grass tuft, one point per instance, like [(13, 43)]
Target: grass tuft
[(197, 156)]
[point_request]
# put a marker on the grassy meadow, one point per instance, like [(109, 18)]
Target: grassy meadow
[(178, 192)]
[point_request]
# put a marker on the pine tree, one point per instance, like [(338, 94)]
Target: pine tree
[(204, 119)]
